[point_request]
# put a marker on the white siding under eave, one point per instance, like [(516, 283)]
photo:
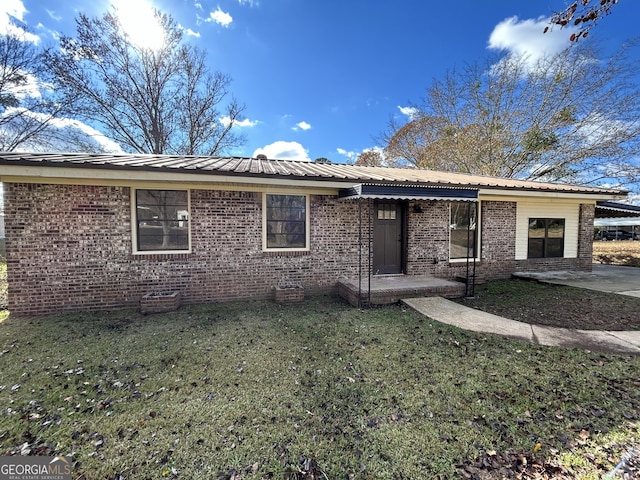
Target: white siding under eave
[(547, 208)]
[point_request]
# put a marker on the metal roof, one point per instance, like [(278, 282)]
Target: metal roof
[(408, 192), (616, 210), (279, 169)]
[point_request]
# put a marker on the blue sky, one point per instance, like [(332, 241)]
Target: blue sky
[(321, 78)]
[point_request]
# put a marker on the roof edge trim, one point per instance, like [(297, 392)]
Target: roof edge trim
[(407, 192)]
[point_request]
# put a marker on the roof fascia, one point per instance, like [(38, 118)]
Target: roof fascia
[(487, 194), (129, 177), (16, 173)]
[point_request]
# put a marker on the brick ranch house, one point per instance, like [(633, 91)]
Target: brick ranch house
[(100, 231)]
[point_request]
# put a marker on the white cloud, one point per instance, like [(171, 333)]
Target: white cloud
[(31, 88), (352, 156), (251, 3), (633, 199), (284, 151), (526, 37), (11, 10), (198, 5), (238, 123), (105, 143), (189, 32), (53, 15), (71, 129), (220, 17), (601, 129), (349, 155), (302, 126), (410, 112)]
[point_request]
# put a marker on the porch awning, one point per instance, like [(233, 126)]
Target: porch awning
[(408, 192), (616, 210)]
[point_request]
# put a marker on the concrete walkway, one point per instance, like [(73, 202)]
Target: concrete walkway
[(603, 278), (452, 313)]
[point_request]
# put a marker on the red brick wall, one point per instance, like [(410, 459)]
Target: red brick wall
[(69, 248), (498, 239), (428, 245), (428, 238), (428, 241), (65, 247), (585, 238)]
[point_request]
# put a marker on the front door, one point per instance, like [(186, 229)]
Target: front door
[(387, 238)]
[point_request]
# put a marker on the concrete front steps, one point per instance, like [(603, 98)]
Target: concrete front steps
[(388, 289)]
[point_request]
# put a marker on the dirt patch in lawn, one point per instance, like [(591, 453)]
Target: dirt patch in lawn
[(619, 252), (557, 305)]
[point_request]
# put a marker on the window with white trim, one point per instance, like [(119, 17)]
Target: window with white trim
[(286, 222), (161, 220)]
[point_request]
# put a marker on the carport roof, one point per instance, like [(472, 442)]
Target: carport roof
[(616, 210)]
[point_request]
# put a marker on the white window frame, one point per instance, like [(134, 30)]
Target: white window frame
[(307, 223), (478, 235), (134, 222)]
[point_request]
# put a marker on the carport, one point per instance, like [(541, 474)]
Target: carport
[(614, 220)]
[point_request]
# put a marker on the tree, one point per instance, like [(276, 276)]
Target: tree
[(27, 107), (582, 13), (566, 117), (371, 158), (160, 101)]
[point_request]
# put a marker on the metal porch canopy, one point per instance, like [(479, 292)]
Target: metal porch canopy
[(407, 192), (616, 210)]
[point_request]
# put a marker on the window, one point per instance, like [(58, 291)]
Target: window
[(162, 220), (387, 211), (286, 224), (546, 237), (463, 236)]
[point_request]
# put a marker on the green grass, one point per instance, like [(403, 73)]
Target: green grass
[(252, 387), (556, 305)]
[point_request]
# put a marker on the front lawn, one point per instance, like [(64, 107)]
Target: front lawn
[(317, 390), (556, 305)]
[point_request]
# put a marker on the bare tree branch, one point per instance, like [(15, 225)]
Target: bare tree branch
[(569, 117), (583, 14), (161, 101), (27, 104)]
